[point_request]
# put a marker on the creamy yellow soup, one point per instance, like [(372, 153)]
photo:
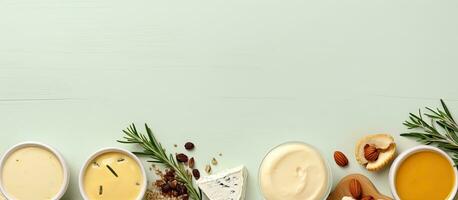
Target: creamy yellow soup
[(425, 175), (32, 173), (113, 176)]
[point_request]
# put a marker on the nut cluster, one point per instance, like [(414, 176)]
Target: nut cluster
[(170, 186), (183, 158)]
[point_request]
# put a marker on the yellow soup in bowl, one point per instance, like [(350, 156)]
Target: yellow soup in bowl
[(425, 175)]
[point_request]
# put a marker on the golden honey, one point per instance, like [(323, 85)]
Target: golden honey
[(425, 175)]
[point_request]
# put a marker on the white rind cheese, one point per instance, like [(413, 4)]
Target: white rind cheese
[(227, 185)]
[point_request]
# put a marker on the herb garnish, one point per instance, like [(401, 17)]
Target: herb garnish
[(445, 136), (112, 171), (153, 149)]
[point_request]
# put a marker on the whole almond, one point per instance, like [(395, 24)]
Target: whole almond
[(371, 153), (368, 198), (191, 163), (340, 158), (355, 188)]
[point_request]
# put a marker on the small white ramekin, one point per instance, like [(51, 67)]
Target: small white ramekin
[(107, 150), (404, 155), (63, 164)]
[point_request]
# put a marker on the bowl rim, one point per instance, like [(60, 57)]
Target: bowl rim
[(325, 161), (108, 150), (407, 153), (65, 170)]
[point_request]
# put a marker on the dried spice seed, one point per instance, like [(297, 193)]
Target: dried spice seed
[(100, 190), (191, 163), (189, 146), (182, 157), (214, 161), (208, 169), (196, 174)]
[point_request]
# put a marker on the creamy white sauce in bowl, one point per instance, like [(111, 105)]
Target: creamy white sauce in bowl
[(33, 171), (295, 171)]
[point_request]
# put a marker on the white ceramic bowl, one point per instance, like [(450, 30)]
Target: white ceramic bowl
[(65, 170), (404, 155), (328, 167), (107, 150)]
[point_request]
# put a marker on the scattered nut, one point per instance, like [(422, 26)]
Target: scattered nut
[(191, 163), (340, 159), (196, 174), (368, 198), (182, 157), (214, 161), (355, 188), (208, 169), (371, 153), (189, 146)]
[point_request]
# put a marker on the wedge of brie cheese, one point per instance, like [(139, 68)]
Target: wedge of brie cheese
[(226, 185)]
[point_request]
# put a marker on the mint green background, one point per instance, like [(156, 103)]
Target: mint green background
[(236, 77)]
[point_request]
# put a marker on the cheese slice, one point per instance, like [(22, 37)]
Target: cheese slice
[(226, 185)]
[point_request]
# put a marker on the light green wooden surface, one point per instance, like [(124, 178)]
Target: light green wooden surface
[(236, 77)]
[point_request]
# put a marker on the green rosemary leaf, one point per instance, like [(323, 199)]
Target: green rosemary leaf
[(447, 111), (154, 150), (445, 136)]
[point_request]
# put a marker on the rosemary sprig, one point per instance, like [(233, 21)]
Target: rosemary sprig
[(442, 131), (153, 149)]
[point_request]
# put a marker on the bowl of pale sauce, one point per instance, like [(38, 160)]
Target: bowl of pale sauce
[(33, 171), (112, 174), (295, 171)]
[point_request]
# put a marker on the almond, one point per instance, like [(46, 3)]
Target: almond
[(340, 159), (355, 188), (368, 198), (191, 163), (371, 153)]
